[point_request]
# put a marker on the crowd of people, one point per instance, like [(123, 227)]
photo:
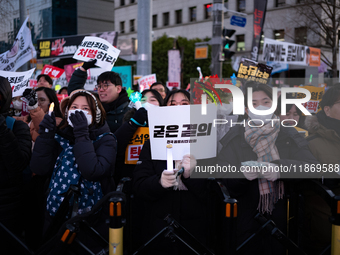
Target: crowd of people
[(82, 141)]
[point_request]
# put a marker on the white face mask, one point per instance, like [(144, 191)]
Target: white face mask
[(260, 117), (17, 105), (87, 115), (147, 105)]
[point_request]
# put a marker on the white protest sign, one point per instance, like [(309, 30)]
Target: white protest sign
[(185, 128), (97, 48), (19, 81), (146, 81), (22, 50)]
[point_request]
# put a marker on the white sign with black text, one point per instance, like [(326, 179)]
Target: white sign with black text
[(19, 81), (97, 48), (185, 128)]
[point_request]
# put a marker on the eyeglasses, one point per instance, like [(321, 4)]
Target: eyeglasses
[(103, 86)]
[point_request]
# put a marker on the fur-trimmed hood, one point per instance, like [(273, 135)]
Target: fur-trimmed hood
[(312, 124)]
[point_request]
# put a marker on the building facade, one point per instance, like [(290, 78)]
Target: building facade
[(193, 19)]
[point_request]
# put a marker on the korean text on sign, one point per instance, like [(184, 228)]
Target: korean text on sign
[(97, 48), (135, 145), (189, 132)]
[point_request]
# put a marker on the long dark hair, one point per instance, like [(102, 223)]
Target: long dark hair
[(53, 98), (173, 92), (156, 94), (256, 87)]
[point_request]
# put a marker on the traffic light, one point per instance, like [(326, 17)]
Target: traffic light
[(227, 43)]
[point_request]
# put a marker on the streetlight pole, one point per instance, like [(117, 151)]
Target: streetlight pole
[(144, 51), (216, 64)]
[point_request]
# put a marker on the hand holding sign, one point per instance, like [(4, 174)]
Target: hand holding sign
[(99, 49)]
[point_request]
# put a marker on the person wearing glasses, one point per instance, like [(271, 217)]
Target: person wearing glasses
[(163, 90), (112, 95)]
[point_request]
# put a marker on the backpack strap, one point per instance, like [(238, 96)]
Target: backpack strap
[(10, 122)]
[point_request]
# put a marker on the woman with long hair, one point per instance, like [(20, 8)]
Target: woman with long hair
[(257, 149)]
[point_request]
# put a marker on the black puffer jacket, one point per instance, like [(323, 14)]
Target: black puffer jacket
[(293, 150), (95, 161), (15, 154), (114, 111), (186, 206)]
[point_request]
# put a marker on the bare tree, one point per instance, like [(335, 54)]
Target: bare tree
[(322, 20), (6, 9)]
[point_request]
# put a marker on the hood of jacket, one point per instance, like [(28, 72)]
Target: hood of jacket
[(315, 127), (6, 95)]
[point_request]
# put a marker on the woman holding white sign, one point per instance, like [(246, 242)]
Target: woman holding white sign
[(164, 191), (260, 150)]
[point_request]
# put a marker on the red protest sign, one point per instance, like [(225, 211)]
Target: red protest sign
[(52, 71)]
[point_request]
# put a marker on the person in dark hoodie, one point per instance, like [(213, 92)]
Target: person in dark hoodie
[(15, 154), (110, 90), (324, 143)]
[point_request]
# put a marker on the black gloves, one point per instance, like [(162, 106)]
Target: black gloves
[(80, 126), (140, 117), (89, 64), (47, 126), (31, 98)]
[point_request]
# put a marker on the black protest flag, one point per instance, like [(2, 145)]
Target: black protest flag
[(260, 7)]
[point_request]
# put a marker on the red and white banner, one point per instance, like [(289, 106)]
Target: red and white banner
[(146, 81), (22, 50), (19, 81), (52, 71)]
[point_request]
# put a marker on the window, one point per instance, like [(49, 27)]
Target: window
[(192, 14), (207, 11), (178, 16), (122, 2), (165, 19), (154, 20), (122, 27), (280, 3), (240, 43), (279, 35), (301, 35), (132, 25), (132, 1), (241, 5)]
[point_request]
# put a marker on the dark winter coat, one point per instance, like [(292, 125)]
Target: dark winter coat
[(15, 154), (187, 207), (95, 160), (293, 151), (124, 134), (114, 111), (324, 143)]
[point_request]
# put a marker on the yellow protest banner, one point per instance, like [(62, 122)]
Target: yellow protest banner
[(135, 145), (313, 105)]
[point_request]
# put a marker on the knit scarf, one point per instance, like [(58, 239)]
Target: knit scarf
[(262, 140)]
